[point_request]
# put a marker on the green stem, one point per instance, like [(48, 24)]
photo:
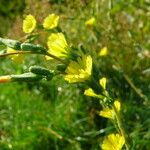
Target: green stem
[(50, 55), (17, 52), (31, 52), (121, 128)]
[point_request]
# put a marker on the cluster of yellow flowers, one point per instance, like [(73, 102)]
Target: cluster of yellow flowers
[(112, 141), (29, 23), (78, 70)]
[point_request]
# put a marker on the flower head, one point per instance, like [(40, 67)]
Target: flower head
[(109, 113), (102, 82), (91, 22), (79, 71), (51, 21), (90, 92), (29, 24), (103, 51), (57, 45), (18, 58), (113, 142)]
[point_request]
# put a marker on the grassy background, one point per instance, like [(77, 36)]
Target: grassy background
[(56, 116)]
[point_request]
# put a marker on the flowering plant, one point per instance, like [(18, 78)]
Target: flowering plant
[(77, 66)]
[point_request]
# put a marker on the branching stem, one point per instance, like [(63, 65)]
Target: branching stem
[(31, 52), (121, 128)]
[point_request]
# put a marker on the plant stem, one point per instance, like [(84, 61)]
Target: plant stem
[(31, 52), (17, 52), (121, 128), (50, 55), (137, 90)]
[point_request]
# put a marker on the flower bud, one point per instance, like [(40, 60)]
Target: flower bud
[(11, 43), (26, 77), (32, 47), (41, 70)]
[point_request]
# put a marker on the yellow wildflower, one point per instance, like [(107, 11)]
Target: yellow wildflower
[(91, 22), (102, 82), (18, 58), (29, 24), (51, 21), (103, 51), (109, 113), (57, 45), (90, 92), (113, 142), (79, 71)]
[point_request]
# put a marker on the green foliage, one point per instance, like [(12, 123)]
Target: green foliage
[(11, 9), (8, 12)]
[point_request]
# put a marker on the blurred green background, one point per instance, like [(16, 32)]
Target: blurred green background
[(53, 115)]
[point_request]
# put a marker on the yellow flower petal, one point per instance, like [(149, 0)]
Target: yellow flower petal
[(90, 92), (29, 24), (103, 51), (113, 142), (57, 45), (109, 113), (51, 21), (102, 82), (117, 105), (91, 22), (79, 71), (18, 58)]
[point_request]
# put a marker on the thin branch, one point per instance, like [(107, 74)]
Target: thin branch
[(31, 52), (137, 90), (121, 128), (17, 52), (53, 56)]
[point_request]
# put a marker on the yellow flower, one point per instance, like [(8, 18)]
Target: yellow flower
[(79, 71), (57, 45), (18, 58), (90, 92), (103, 51), (51, 21), (113, 142), (29, 24), (109, 113), (91, 22), (102, 82)]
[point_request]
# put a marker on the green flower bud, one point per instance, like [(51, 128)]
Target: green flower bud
[(26, 77), (32, 47), (41, 71), (11, 43), (61, 67)]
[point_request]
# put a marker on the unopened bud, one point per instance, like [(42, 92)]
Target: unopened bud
[(42, 71), (32, 47), (61, 67), (26, 77), (11, 43)]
